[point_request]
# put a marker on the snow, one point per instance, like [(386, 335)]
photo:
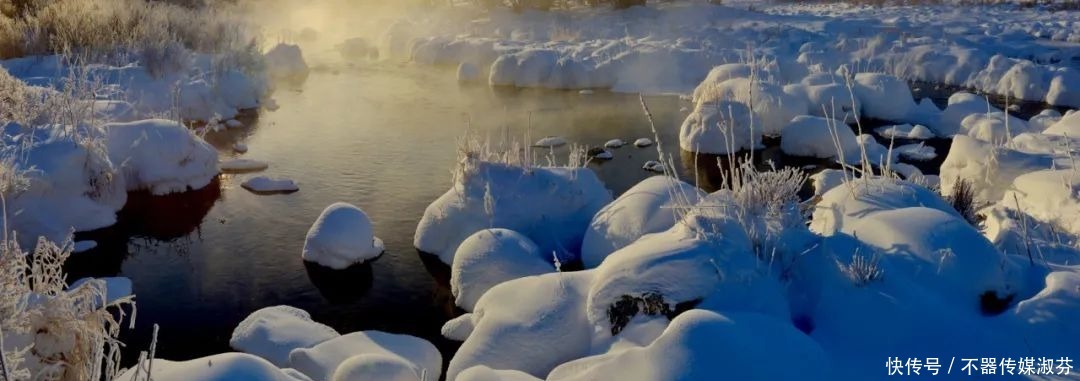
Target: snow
[(571, 196), (883, 97), (719, 128), (273, 332), (991, 170), (819, 137), (992, 128), (962, 105), (643, 142), (940, 251), (905, 131), (917, 152), (377, 366), (827, 179), (161, 156), (490, 257), (324, 360), (219, 367), (1043, 120), (243, 165), (286, 61), (233, 123), (614, 143), (483, 373), (604, 155), (529, 324), (1069, 125), (70, 183), (263, 184), (704, 345), (1051, 196), (550, 142), (342, 236), (116, 288), (645, 208), (842, 206), (240, 148), (653, 166)]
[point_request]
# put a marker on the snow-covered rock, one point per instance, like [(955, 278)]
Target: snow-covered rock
[(323, 361), (529, 324), (286, 61), (819, 137), (490, 257), (645, 208), (467, 72), (161, 156), (1052, 196), (643, 142), (614, 143), (273, 332), (941, 252), (719, 128), (704, 345), (992, 128), (653, 166), (263, 184), (495, 195), (1068, 125), (884, 97), (1043, 120), (483, 373), (219, 367), (240, 147), (843, 206), (990, 169), (377, 366), (772, 107), (917, 152), (550, 142), (243, 165), (342, 236), (906, 131)]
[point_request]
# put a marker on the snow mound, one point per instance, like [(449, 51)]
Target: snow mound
[(483, 373), (704, 345), (813, 136), (1054, 308), (992, 127), (960, 106), (843, 206), (1051, 196), (263, 184), (906, 131), (719, 128), (917, 152), (653, 166), (490, 257), (340, 237), (772, 107), (940, 251), (529, 324), (1042, 121), (468, 73), (614, 143), (643, 142), (243, 165), (70, 183), (1068, 125), (826, 180), (645, 208), (884, 97), (495, 195), (324, 360), (273, 332), (286, 61), (990, 169), (219, 367), (832, 100), (376, 366), (161, 156)]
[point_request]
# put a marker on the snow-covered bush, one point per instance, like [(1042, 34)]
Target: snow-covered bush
[(50, 331), (492, 190)]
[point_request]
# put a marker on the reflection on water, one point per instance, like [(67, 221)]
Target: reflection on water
[(340, 286)]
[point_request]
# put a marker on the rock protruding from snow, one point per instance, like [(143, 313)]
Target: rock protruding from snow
[(323, 361), (719, 128), (273, 332), (648, 207), (495, 195), (161, 156), (818, 137), (342, 236), (286, 61), (490, 257), (243, 165), (269, 185)]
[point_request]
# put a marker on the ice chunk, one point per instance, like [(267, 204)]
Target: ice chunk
[(243, 165), (263, 184)]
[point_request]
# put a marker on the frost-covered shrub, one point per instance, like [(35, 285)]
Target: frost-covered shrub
[(962, 199), (51, 332), (862, 270)]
